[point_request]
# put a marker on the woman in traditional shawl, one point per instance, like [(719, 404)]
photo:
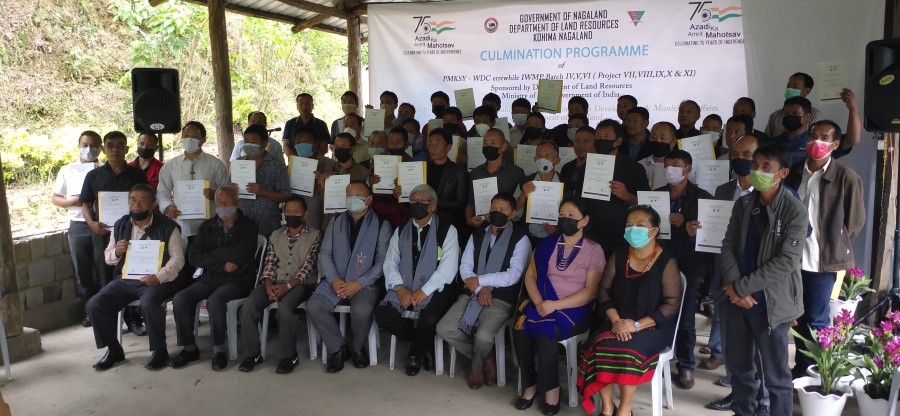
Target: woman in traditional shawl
[(562, 284)]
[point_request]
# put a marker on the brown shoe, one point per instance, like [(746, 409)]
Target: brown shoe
[(476, 380), (490, 372), (686, 379), (712, 363), (705, 350)]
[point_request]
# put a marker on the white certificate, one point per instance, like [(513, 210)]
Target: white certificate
[(410, 175), (143, 258), (524, 157), (543, 203), (566, 155), (549, 96), (700, 147), (484, 190), (473, 147), (659, 201), (656, 173), (243, 172), (454, 149), (831, 81), (385, 166), (465, 101), (303, 175), (598, 173), (75, 178), (374, 122), (336, 193), (502, 124), (713, 216), (112, 206), (711, 173), (191, 201)]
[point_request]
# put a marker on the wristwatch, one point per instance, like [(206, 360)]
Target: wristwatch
[(637, 326)]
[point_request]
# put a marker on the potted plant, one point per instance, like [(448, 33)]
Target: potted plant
[(830, 350), (881, 359), (856, 284)]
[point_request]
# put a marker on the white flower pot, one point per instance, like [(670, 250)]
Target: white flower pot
[(842, 384), (870, 406), (815, 404), (835, 306)]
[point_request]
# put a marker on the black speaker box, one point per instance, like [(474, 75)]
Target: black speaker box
[(157, 106), (882, 101)]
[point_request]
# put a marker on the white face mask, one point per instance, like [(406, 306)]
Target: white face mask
[(348, 108), (519, 119), (674, 175), (351, 131), (482, 128), (89, 153), (190, 144), (571, 133), (543, 165)]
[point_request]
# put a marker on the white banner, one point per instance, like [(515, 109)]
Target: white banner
[(659, 51)]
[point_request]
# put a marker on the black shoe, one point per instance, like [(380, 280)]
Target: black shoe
[(723, 404), (139, 329), (762, 410), (86, 322), (428, 361), (287, 365), (361, 358), (550, 409), (185, 357), (158, 360), (250, 363), (336, 362), (522, 404), (219, 361), (113, 355), (413, 365)]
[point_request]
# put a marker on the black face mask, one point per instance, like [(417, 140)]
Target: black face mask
[(498, 219), (293, 221), (791, 123), (396, 152), (490, 152), (531, 133), (452, 129), (439, 110), (418, 210), (603, 147), (741, 167), (145, 153), (659, 149), (139, 216), (568, 226), (342, 155)]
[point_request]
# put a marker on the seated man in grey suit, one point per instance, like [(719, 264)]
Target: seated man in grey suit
[(352, 257), (289, 274), (142, 223)]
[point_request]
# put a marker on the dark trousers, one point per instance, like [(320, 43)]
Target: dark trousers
[(420, 335), (81, 246), (186, 274), (104, 307), (817, 289), (747, 335), (217, 297), (362, 307), (686, 338), (286, 314), (104, 272), (538, 361)]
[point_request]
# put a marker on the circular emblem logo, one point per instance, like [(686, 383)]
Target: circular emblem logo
[(491, 25), (887, 79), (157, 126)]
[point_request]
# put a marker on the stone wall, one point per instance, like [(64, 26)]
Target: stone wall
[(46, 280)]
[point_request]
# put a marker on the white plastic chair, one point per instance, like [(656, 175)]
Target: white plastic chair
[(231, 308), (662, 376), (312, 335), (4, 346), (499, 350), (344, 311), (571, 347), (895, 386)]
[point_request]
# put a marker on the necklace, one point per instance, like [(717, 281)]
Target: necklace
[(652, 258), (562, 262)]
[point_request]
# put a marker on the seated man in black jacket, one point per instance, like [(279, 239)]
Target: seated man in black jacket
[(223, 253)]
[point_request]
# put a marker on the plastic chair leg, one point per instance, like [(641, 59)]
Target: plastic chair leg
[(231, 318), (264, 332), (439, 356), (119, 322), (452, 361), (393, 351), (500, 351), (373, 344), (572, 370)]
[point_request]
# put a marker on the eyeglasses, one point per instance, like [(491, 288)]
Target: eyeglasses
[(420, 201)]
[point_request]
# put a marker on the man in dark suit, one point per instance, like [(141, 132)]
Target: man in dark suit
[(449, 179)]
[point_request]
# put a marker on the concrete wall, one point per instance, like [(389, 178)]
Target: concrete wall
[(46, 280)]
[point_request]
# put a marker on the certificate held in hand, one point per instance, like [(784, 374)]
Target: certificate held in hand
[(465, 101), (374, 121), (549, 96), (598, 173), (713, 216), (483, 191), (336, 193), (410, 175), (303, 175), (243, 172), (111, 206), (659, 201), (385, 166), (473, 148), (191, 201), (543, 203), (143, 258)]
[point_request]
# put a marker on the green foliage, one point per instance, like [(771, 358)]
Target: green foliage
[(36, 158)]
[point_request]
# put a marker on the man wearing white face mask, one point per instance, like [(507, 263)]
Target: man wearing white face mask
[(546, 157), (696, 266), (519, 113), (349, 105), (66, 194), (712, 125), (798, 85), (305, 121), (192, 164), (389, 101)]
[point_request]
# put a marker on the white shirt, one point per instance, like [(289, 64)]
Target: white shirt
[(69, 182), (205, 167), (506, 278), (656, 172), (739, 192), (446, 270), (809, 194)]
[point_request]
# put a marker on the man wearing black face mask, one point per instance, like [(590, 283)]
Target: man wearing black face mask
[(141, 224), (796, 121), (148, 143), (508, 175), (491, 266)]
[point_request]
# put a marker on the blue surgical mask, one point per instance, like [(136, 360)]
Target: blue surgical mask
[(791, 93), (374, 151), (637, 237), (304, 149)]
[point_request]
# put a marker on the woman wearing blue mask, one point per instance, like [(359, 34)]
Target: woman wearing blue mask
[(637, 305)]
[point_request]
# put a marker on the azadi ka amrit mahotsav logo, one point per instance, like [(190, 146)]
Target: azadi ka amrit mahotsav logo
[(433, 27), (714, 13)]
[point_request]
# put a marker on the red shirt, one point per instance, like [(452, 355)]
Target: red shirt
[(152, 170)]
